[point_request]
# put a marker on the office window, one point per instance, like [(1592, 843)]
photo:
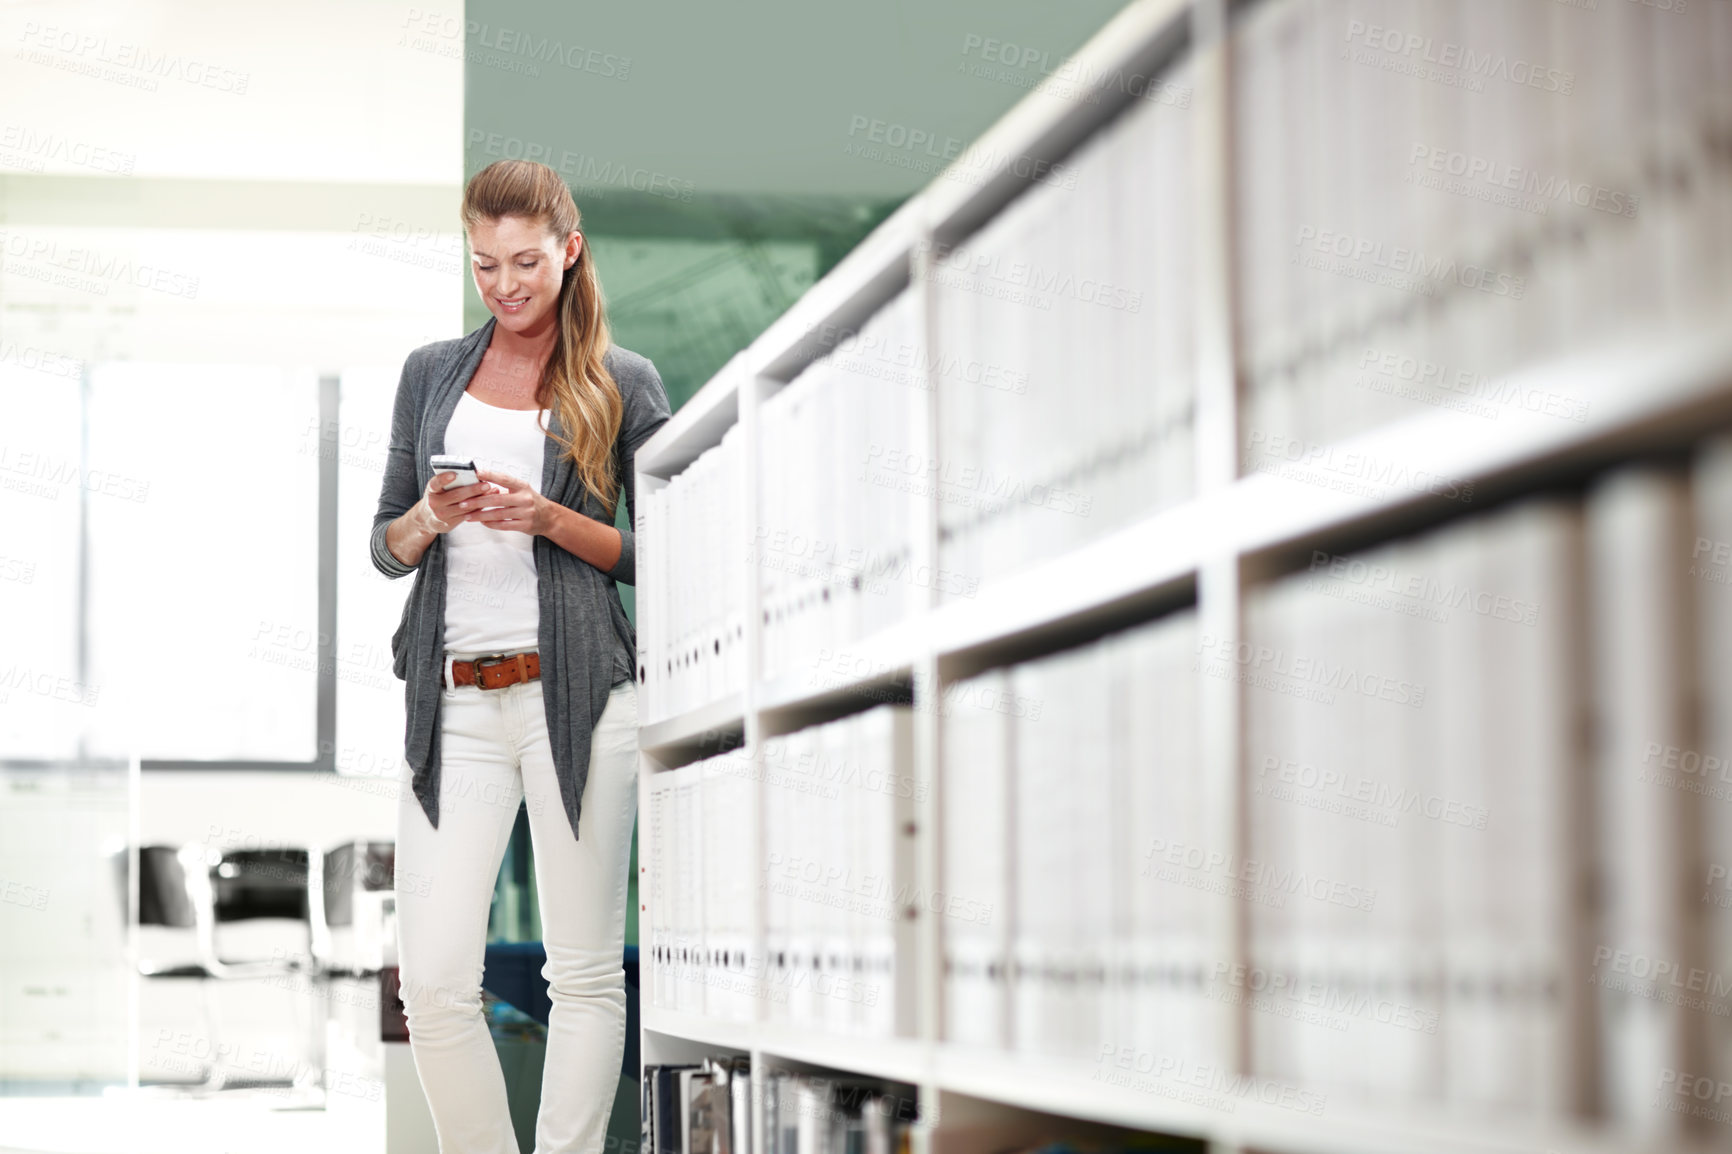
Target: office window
[(43, 709), (204, 560), (369, 739)]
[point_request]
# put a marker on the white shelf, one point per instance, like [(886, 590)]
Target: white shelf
[(872, 272), (1041, 126), (849, 670), (1415, 1130), (695, 425), (1179, 1107), (1664, 391), (698, 1028), (895, 1060), (1056, 115), (690, 728), (1340, 1127), (1243, 526)]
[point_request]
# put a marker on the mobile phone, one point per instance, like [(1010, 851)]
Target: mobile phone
[(462, 466)]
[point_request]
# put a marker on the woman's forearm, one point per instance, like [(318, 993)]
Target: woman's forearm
[(584, 537), (409, 535)]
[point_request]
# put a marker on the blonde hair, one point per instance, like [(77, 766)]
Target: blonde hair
[(575, 379)]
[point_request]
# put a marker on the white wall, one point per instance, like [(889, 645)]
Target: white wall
[(188, 183)]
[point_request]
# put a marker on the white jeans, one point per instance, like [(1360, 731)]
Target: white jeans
[(495, 753)]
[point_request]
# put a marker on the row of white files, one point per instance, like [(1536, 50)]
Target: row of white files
[(1411, 739), (1067, 326), (1434, 196), (1060, 774), (1515, 729), (1488, 859), (833, 543), (691, 628), (835, 879)]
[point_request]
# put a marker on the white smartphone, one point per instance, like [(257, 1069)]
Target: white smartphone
[(462, 466)]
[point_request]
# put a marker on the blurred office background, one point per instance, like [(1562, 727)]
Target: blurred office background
[(222, 228)]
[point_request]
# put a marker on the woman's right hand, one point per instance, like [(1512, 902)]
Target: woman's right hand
[(442, 509)]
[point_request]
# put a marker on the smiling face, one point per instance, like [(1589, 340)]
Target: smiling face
[(518, 269)]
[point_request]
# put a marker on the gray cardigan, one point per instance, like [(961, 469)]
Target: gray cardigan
[(586, 641)]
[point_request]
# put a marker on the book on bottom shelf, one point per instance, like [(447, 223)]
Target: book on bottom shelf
[(706, 1108), (697, 1108)]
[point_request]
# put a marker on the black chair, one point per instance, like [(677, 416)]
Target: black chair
[(162, 901), (240, 885), (199, 888), (357, 909)]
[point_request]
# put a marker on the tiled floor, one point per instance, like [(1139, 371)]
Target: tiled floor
[(152, 1122)]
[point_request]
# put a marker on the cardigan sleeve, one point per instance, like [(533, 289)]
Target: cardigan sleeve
[(646, 409), (399, 489)]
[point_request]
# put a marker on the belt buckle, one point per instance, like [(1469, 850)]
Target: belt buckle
[(475, 667)]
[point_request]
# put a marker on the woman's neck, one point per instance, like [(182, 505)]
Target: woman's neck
[(517, 359), (535, 344)]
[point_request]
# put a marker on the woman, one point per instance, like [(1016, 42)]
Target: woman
[(517, 657)]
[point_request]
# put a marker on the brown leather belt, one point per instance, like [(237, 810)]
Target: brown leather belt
[(497, 671)]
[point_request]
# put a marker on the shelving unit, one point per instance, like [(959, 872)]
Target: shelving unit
[(1239, 530)]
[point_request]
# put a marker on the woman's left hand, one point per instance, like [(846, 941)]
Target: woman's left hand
[(519, 507)]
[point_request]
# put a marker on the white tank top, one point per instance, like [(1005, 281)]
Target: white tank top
[(491, 602)]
